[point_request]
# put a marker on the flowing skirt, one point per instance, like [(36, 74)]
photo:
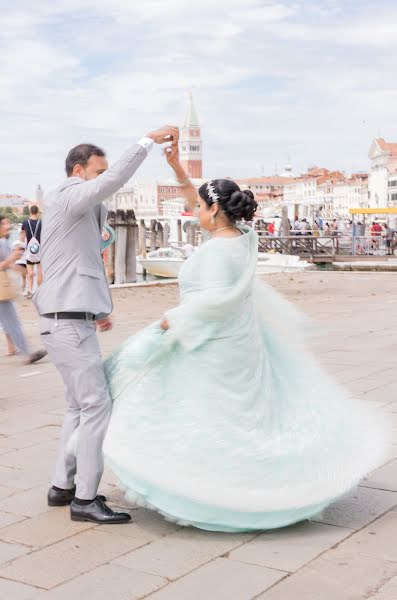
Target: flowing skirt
[(243, 433)]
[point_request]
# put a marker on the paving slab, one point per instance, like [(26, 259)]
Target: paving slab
[(377, 539), (221, 579), (181, 552), (290, 548), (27, 503), (384, 478), (146, 523), (30, 438), (46, 556), (10, 551), (358, 508), (44, 529), (388, 591), (8, 519), (28, 458), (11, 590), (67, 559), (349, 579), (109, 582)]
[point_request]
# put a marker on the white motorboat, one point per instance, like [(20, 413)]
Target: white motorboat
[(164, 262), (281, 263)]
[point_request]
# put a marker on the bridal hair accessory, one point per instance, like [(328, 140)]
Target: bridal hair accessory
[(212, 193)]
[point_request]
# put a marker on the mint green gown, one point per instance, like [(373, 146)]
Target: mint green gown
[(225, 422)]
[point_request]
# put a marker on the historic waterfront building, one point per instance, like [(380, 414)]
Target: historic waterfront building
[(382, 178), (326, 194)]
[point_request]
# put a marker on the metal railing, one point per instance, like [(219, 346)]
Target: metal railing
[(330, 246), (301, 245)]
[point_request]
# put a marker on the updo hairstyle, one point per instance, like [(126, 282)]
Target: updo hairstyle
[(237, 204)]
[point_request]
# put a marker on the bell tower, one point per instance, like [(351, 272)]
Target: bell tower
[(190, 144)]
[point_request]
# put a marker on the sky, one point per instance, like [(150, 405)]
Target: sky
[(312, 82)]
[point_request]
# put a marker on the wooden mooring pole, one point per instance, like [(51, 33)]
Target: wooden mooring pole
[(131, 246)]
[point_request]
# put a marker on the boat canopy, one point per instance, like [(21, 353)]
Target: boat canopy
[(373, 211)]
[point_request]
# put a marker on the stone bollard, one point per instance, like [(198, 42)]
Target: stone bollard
[(132, 243), (179, 231), (285, 230), (191, 230), (142, 238), (160, 235), (153, 235), (166, 234)]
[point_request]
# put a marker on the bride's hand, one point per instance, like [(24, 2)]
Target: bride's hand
[(164, 325), (172, 155)]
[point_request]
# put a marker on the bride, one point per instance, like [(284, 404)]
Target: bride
[(221, 420)]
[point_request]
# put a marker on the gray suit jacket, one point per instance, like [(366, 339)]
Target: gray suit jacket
[(73, 217)]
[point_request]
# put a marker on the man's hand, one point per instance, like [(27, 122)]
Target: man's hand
[(168, 133), (104, 324)]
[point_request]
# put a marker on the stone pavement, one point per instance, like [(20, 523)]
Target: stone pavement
[(347, 553)]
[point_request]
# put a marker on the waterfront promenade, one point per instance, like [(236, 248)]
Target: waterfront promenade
[(348, 553)]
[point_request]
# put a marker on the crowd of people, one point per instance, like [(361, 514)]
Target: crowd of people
[(376, 231), (17, 259)]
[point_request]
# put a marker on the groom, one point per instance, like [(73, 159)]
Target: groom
[(74, 301)]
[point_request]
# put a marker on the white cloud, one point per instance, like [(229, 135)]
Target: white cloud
[(268, 78)]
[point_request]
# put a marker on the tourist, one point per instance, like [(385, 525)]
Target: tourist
[(376, 233), (32, 229), (334, 229), (221, 419), (74, 302), (389, 237), (305, 227), (297, 227), (270, 229), (16, 340), (316, 229), (326, 230)]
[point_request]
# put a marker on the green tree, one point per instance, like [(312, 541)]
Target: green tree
[(26, 212), (10, 214)]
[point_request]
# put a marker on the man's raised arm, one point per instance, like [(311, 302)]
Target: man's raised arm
[(80, 197)]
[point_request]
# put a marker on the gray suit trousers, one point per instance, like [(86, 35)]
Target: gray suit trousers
[(73, 347)]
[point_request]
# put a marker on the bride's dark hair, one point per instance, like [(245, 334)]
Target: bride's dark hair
[(236, 204)]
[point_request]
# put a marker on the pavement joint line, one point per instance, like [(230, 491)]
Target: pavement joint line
[(383, 582), (202, 564), (353, 533), (31, 584), (109, 562)]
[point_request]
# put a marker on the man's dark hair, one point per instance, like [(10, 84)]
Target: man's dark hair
[(80, 155), (34, 210)]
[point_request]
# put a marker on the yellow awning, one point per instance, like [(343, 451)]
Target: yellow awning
[(373, 211)]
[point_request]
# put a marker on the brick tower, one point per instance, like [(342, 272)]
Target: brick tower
[(190, 144)]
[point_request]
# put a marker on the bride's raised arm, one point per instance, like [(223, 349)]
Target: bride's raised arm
[(188, 190)]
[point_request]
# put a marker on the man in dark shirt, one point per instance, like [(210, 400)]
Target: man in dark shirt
[(32, 227)]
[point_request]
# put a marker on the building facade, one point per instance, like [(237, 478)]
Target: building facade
[(326, 194), (383, 156)]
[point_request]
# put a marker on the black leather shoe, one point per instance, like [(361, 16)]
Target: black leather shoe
[(63, 497), (97, 512)]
